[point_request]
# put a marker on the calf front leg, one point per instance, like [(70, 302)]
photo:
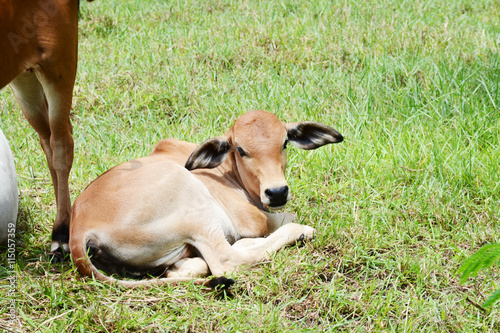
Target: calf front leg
[(223, 258)]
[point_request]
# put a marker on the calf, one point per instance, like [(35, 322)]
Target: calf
[(187, 211)]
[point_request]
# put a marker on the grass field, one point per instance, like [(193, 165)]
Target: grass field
[(414, 87)]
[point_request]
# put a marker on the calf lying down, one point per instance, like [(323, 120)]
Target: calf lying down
[(188, 211)]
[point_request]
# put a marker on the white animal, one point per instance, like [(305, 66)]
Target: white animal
[(9, 199)]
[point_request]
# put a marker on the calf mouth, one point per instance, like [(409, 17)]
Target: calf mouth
[(275, 206)]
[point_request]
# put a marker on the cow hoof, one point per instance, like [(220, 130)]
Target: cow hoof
[(220, 283), (59, 255)]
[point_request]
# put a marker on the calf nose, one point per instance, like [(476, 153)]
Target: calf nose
[(277, 196)]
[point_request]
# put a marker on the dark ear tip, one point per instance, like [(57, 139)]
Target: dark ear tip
[(339, 138), (189, 165)]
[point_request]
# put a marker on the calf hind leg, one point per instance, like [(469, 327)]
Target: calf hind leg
[(197, 268), (189, 267)]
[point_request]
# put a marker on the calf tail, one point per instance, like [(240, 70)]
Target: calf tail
[(85, 266)]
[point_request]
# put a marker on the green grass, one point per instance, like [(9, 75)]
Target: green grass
[(414, 86)]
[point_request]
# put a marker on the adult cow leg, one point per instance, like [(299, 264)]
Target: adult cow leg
[(46, 104), (56, 72), (62, 147)]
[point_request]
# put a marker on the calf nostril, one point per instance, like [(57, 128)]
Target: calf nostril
[(277, 194)]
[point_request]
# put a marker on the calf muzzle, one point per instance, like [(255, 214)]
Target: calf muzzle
[(277, 196)]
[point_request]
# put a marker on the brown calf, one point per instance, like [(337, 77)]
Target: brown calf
[(187, 211), (38, 57)]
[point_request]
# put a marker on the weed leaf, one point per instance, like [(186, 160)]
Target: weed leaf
[(492, 299), (484, 258)]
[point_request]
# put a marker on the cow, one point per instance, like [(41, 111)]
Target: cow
[(188, 211), (38, 57)]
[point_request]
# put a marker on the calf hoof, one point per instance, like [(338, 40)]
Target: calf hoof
[(220, 283), (307, 235)]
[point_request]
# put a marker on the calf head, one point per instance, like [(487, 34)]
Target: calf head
[(256, 148)]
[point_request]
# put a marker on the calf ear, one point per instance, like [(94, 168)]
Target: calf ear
[(312, 135), (209, 154)]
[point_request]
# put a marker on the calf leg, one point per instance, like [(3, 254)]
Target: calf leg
[(189, 267), (223, 258)]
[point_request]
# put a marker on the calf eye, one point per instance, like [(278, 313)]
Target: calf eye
[(241, 152)]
